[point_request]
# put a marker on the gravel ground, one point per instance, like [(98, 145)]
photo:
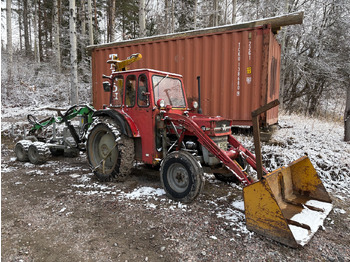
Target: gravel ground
[(58, 212)]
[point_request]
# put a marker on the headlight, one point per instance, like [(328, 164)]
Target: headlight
[(195, 104)]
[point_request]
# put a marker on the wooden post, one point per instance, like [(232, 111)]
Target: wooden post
[(256, 133)]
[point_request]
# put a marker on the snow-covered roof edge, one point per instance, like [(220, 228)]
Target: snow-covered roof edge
[(276, 23)]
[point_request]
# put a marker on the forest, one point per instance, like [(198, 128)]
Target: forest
[(315, 68)]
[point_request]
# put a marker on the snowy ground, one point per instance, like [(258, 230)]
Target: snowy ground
[(59, 212)]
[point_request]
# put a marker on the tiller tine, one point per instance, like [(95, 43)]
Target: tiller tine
[(288, 204)]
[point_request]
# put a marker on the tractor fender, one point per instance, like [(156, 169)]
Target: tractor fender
[(127, 125)]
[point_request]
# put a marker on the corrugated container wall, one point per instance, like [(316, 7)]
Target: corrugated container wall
[(239, 69)]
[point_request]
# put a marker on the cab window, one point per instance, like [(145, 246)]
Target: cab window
[(130, 90), (169, 89), (117, 91), (142, 92)]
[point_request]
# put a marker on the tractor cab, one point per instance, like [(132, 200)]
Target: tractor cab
[(147, 98), (145, 88), (140, 96)]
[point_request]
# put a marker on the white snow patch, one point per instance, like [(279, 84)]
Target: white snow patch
[(85, 178), (151, 205), (28, 164), (314, 219), (178, 206), (74, 175), (235, 218), (339, 210), (340, 197), (62, 210), (7, 169), (238, 205), (143, 192)]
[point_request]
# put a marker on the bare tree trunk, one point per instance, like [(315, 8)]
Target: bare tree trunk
[(95, 20), (172, 16), (91, 32), (112, 36), (36, 45), (195, 15), (142, 18), (234, 11), (110, 20), (283, 47), (83, 18), (73, 54), (9, 40), (20, 25), (25, 25), (216, 13), (56, 32), (347, 117), (166, 7), (40, 32)]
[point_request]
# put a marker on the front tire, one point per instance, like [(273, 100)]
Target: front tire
[(181, 176), (110, 153)]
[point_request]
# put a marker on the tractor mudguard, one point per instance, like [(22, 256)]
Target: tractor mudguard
[(126, 124)]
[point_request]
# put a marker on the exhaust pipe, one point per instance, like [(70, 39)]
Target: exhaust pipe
[(199, 95)]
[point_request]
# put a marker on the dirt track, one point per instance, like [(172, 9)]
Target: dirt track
[(58, 212)]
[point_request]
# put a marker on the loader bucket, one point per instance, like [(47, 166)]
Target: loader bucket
[(288, 204)]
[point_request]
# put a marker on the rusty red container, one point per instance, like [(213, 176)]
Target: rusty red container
[(239, 68)]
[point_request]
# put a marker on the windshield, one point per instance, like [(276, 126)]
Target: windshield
[(169, 89)]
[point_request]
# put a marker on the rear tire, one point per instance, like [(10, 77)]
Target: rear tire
[(38, 153), (181, 176), (21, 150), (110, 153)]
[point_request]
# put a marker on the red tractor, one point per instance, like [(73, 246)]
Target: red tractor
[(148, 119)]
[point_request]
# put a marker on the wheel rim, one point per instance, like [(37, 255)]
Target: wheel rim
[(178, 178), (104, 148)]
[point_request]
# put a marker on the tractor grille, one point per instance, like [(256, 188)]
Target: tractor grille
[(222, 126)]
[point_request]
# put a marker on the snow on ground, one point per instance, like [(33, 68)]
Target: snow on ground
[(321, 140), (297, 135)]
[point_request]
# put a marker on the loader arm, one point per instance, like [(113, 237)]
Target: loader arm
[(212, 147), (245, 153)]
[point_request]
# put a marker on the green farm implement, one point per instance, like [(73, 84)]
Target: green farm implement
[(42, 141)]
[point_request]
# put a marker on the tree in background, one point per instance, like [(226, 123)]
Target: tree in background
[(142, 18), (73, 54), (9, 39)]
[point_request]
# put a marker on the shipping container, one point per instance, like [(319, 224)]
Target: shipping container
[(238, 65)]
